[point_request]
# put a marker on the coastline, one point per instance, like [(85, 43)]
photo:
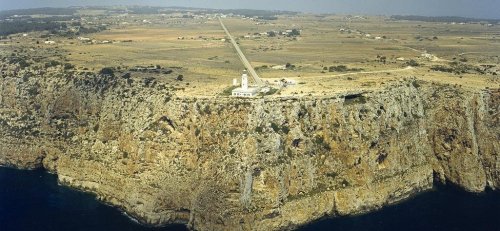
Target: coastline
[(324, 223)]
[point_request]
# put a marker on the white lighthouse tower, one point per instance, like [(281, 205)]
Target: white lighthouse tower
[(245, 90), (244, 80)]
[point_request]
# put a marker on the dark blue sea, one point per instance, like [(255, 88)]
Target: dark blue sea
[(32, 200)]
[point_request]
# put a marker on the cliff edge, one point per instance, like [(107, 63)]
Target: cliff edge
[(249, 164)]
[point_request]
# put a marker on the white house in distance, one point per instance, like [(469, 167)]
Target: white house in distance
[(84, 39), (244, 90)]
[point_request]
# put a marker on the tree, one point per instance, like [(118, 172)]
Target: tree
[(383, 59), (68, 66), (126, 75), (180, 78), (339, 68), (107, 71), (412, 63)]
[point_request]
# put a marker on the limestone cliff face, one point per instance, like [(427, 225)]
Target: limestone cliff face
[(248, 164)]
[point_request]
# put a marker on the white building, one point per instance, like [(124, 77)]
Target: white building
[(245, 90), (428, 56), (279, 67), (84, 39)]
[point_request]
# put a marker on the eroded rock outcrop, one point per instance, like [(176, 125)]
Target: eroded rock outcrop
[(249, 164)]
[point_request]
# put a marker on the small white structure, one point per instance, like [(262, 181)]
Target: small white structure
[(279, 67), (50, 42), (245, 90), (285, 82), (427, 55), (84, 39), (235, 82)]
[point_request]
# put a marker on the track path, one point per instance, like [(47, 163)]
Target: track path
[(243, 59), (361, 72)]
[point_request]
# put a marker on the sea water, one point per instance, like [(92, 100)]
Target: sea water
[(32, 200)]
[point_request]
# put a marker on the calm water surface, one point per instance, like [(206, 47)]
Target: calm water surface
[(32, 200), (443, 209)]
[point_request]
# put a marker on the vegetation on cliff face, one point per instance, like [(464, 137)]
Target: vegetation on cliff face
[(261, 164)]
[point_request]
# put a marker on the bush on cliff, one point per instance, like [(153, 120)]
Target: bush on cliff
[(107, 71)]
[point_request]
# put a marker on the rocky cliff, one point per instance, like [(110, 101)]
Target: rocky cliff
[(248, 164)]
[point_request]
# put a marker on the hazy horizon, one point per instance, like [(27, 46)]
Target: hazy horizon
[(463, 8)]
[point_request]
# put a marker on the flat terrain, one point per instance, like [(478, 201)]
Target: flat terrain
[(374, 51)]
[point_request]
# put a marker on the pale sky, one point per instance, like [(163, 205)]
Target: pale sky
[(465, 8)]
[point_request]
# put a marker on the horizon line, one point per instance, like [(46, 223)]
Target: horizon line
[(269, 10)]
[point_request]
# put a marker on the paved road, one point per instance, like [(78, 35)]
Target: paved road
[(244, 60)]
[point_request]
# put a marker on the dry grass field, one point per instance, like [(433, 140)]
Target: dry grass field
[(209, 64)]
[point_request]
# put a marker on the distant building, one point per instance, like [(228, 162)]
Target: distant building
[(50, 42), (428, 56), (279, 67), (245, 90), (84, 39)]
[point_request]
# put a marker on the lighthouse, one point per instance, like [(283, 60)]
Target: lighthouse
[(245, 90), (244, 80)]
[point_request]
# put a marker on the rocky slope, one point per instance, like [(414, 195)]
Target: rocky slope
[(248, 164)]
